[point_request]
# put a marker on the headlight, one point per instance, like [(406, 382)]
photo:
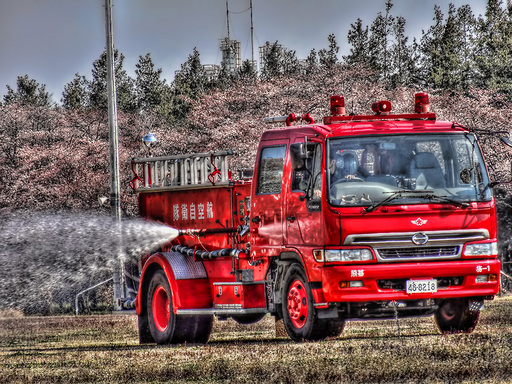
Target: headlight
[(348, 255), (482, 249)]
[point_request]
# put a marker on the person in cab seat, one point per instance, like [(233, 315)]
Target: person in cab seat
[(345, 167)]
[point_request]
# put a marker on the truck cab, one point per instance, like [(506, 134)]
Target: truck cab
[(358, 217)]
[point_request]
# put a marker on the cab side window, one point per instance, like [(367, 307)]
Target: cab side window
[(308, 179), (270, 173)]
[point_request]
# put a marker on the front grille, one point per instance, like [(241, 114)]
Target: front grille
[(418, 252), (400, 246)]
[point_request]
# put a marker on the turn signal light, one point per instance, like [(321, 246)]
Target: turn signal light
[(351, 284), (383, 106)]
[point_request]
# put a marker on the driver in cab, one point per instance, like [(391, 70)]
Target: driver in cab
[(344, 167)]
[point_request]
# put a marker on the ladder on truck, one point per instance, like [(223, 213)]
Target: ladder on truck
[(181, 171)]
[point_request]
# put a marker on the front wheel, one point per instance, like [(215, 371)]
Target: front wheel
[(299, 315), (454, 316)]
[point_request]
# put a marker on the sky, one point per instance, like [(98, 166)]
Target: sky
[(51, 40)]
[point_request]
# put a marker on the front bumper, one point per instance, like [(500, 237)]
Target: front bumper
[(384, 282)]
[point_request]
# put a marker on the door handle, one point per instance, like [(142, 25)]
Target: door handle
[(291, 219), (256, 219)]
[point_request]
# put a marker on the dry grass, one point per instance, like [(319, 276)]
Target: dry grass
[(105, 349)]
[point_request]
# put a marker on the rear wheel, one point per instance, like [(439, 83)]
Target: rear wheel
[(164, 325), (299, 315), (454, 316)]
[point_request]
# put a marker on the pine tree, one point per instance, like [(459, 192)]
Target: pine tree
[(401, 55), (271, 61), (328, 58), (494, 41), (357, 37), (28, 92), (379, 43), (149, 88), (125, 93), (76, 93)]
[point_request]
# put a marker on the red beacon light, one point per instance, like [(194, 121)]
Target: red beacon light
[(337, 105), (381, 107), (421, 103)]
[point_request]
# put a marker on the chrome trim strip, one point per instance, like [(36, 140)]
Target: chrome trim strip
[(221, 312), (401, 239)]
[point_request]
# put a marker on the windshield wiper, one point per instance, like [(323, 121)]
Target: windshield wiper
[(446, 199), (424, 194)]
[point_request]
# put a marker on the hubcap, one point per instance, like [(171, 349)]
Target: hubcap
[(161, 308), (298, 304)]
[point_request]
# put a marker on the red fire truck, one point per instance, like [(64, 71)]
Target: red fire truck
[(358, 217)]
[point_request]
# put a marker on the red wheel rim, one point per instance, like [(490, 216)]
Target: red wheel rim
[(161, 308), (298, 304)]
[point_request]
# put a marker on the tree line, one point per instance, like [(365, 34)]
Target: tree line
[(459, 51)]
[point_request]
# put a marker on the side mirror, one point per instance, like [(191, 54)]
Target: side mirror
[(506, 140), (298, 155)]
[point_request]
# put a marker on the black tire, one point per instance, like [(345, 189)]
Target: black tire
[(454, 316), (164, 325), (248, 319), (299, 314)]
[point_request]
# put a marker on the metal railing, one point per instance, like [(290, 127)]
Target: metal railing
[(180, 171)]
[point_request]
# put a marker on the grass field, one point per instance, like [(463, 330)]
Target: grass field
[(105, 349)]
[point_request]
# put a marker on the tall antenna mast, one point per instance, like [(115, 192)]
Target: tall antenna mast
[(227, 16), (252, 40)]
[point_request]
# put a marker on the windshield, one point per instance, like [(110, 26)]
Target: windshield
[(365, 171)]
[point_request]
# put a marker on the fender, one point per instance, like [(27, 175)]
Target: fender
[(187, 278)]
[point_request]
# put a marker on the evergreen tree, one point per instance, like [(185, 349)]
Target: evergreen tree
[(28, 92), (379, 43), (271, 60), (247, 72), (76, 93), (125, 94), (311, 64), (189, 84), (401, 56), (328, 58), (149, 88), (446, 50), (494, 41), (357, 37)]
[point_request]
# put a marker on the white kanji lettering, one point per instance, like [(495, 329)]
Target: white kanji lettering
[(209, 210), (192, 211), (175, 212), (184, 212), (353, 273), (479, 268), (200, 211), (360, 272)]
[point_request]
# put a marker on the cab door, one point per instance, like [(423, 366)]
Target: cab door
[(267, 199), (303, 202)]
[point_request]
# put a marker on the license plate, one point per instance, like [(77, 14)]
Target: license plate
[(421, 286)]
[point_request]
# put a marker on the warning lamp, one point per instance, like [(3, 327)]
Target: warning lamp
[(383, 106), (421, 103), (337, 105)]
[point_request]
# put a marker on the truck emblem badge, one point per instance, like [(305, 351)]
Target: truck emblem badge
[(419, 238), (419, 222)]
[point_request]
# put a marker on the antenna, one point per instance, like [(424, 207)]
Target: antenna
[(252, 40), (227, 16)]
